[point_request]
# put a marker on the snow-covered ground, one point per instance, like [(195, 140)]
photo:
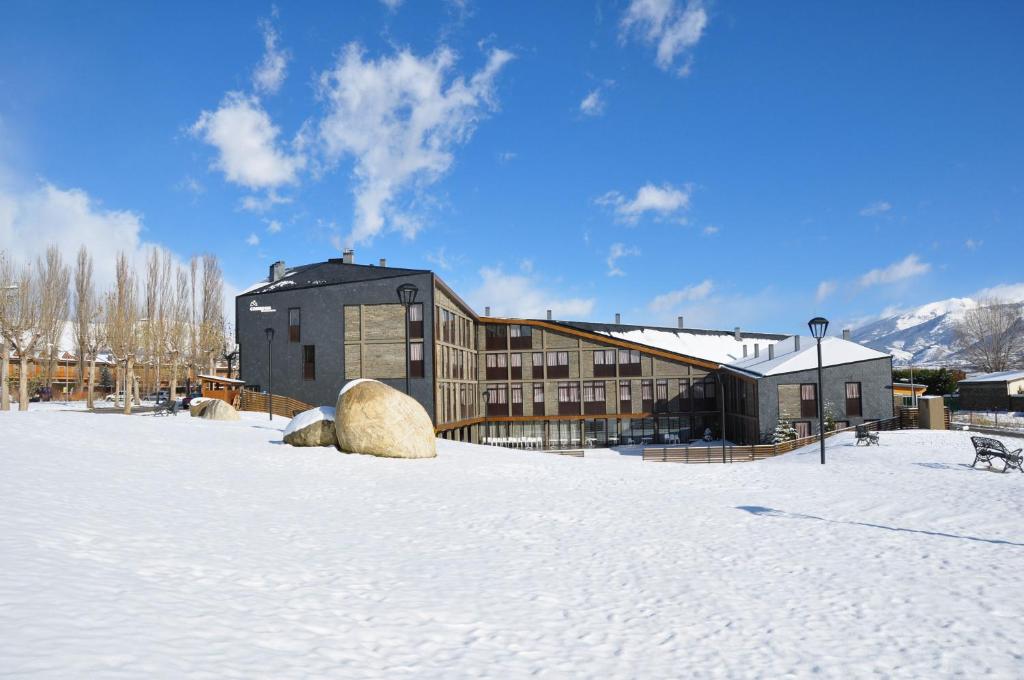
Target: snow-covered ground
[(171, 546)]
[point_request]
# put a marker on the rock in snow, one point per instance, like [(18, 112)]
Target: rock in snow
[(215, 409), (379, 420), (314, 427)]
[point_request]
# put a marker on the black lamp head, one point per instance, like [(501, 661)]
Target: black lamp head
[(407, 293), (270, 334), (818, 326)]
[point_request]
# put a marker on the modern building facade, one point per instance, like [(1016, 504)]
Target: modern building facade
[(562, 383), (992, 391)]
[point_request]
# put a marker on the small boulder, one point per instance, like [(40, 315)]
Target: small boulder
[(314, 427), (378, 420), (217, 409)]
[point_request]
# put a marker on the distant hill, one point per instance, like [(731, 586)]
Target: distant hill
[(923, 336)]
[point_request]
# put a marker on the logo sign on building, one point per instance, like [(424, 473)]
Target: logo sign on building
[(255, 307)]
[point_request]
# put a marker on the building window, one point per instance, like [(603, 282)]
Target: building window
[(629, 362), (647, 395), (309, 362), (808, 400), (497, 400), (294, 324), (558, 364), (515, 361), (568, 398), (416, 320), (538, 365), (684, 396), (661, 395), (604, 363), (625, 397), (495, 337), (538, 399), (521, 337), (517, 399), (594, 397), (497, 366), (853, 402), (803, 428), (416, 360)]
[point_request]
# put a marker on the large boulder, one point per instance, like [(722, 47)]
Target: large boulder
[(314, 427), (198, 405), (379, 420), (217, 409)]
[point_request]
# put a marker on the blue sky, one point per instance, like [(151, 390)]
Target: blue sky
[(747, 164)]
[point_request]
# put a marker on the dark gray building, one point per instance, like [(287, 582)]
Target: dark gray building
[(314, 350)]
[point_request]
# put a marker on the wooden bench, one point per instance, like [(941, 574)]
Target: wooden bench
[(986, 448), (866, 436)]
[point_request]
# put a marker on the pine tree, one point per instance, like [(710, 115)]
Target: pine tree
[(784, 432), (830, 416), (106, 381)]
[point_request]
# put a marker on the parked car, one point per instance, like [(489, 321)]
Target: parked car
[(188, 399), (115, 396), (157, 397)]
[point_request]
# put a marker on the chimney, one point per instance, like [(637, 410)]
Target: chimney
[(383, 262), (744, 351), (846, 334), (549, 315), (679, 322), (757, 350), (487, 311), (771, 352), (736, 334), (796, 343), (276, 271), (618, 318), (348, 256)]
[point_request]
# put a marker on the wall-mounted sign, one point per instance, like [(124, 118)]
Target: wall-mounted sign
[(255, 307)]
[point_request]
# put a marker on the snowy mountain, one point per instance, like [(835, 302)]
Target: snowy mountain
[(923, 336)]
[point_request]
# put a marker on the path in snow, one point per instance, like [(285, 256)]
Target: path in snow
[(149, 546)]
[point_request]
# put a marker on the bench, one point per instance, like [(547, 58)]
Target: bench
[(169, 408), (986, 448), (866, 436)]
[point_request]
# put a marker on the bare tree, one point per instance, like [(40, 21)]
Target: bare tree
[(991, 336), (22, 310), (211, 325), (54, 282), (122, 322), (176, 336), (7, 289), (87, 325)]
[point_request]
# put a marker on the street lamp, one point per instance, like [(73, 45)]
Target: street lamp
[(270, 372), (818, 326), (407, 296)]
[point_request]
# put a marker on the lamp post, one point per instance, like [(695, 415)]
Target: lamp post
[(407, 296), (270, 372), (818, 326)]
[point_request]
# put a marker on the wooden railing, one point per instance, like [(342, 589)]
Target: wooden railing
[(745, 453), (281, 406)]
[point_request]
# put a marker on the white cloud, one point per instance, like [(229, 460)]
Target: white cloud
[(522, 296), (876, 208), (971, 244), (908, 267), (506, 156), (526, 266), (399, 118), (391, 4), (615, 253), (672, 28), (273, 227), (191, 185), (270, 74), (825, 289), (671, 300), (439, 258), (253, 240), (710, 230), (249, 152), (592, 104), (261, 204), (1009, 292), (663, 201)]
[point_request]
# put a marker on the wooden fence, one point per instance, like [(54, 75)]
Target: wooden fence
[(282, 406), (909, 417), (746, 453)]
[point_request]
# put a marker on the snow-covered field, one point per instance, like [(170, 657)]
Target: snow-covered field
[(169, 547)]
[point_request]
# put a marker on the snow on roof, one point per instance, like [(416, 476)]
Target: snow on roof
[(788, 359), (719, 346), (218, 378), (999, 377)]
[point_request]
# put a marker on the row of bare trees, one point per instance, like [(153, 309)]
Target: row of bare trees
[(165, 321)]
